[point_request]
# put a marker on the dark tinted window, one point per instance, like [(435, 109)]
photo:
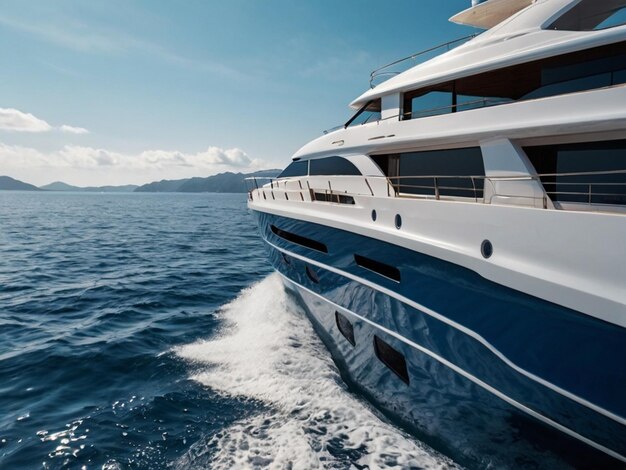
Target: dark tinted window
[(590, 15), (579, 71), (368, 113), (431, 103), (295, 169), (430, 173), (333, 197), (560, 167), (333, 166)]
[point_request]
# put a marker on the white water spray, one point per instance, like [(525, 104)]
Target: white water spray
[(268, 351)]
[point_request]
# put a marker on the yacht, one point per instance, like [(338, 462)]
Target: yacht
[(459, 244)]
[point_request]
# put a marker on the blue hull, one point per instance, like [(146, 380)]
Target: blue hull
[(493, 376)]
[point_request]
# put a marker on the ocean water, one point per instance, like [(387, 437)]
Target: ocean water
[(147, 331)]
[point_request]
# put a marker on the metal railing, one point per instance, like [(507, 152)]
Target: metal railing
[(451, 108), (413, 60), (590, 188)]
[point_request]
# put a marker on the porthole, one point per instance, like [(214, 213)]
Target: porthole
[(374, 215), (398, 221), (310, 272), (486, 248)]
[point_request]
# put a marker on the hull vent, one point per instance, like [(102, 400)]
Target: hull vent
[(299, 240), (345, 328), (390, 272), (392, 358)]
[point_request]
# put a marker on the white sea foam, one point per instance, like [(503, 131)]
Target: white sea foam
[(268, 351)]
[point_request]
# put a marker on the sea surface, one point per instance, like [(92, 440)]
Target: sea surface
[(146, 331)]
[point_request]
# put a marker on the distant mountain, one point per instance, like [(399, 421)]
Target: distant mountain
[(222, 183), (127, 188), (60, 186), (8, 183)]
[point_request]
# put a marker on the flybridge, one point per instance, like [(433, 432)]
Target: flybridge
[(485, 14)]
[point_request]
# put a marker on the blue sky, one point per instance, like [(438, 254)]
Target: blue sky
[(119, 91)]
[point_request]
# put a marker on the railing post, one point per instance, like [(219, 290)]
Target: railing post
[(474, 187), (436, 188), (589, 193)]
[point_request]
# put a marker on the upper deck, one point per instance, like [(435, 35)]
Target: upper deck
[(543, 29)]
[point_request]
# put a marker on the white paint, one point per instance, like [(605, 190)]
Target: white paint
[(390, 105), (574, 259), (504, 159), (514, 41)]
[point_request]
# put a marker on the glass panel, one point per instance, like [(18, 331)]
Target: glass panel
[(431, 104), (619, 77), (618, 18), (578, 71), (466, 103), (333, 166), (365, 117), (295, 169), (418, 169), (589, 15), (571, 86), (596, 157), (368, 113)]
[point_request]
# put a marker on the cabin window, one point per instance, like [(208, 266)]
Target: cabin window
[(590, 173), (333, 166), (333, 197), (368, 113), (579, 71), (454, 173), (592, 15), (429, 103), (295, 169)]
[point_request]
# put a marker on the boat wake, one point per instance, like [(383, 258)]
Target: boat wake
[(268, 352)]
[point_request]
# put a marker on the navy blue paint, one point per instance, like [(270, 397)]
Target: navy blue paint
[(445, 410), (571, 350)]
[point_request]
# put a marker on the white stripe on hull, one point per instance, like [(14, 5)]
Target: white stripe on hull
[(462, 372), (461, 328)]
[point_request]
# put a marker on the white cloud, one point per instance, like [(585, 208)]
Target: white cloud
[(14, 120), (88, 165), (217, 156), (17, 121), (73, 130)]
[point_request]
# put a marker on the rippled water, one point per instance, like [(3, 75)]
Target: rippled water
[(146, 331)]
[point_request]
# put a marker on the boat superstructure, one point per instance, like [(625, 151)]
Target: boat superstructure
[(459, 243)]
